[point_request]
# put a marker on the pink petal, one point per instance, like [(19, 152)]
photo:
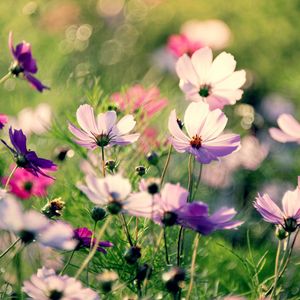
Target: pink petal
[(174, 129), (289, 125), (106, 122), (232, 82), (86, 119), (291, 203), (281, 137), (202, 60), (125, 125), (186, 71)]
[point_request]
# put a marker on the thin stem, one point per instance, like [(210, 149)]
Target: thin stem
[(94, 249), (166, 246), (162, 178), (136, 230), (190, 172), (67, 263), (198, 180), (5, 77), (103, 161), (123, 221), (9, 248), (276, 269), (193, 265), (10, 176), (179, 245)]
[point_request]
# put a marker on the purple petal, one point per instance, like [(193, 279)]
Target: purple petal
[(35, 82), (18, 140)]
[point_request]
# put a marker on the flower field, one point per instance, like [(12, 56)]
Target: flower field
[(149, 150)]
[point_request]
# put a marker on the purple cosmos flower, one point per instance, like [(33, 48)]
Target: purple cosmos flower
[(27, 159), (204, 139), (84, 237), (104, 130), (24, 63), (288, 217), (46, 285), (113, 192), (289, 129), (32, 226), (214, 82), (3, 120)]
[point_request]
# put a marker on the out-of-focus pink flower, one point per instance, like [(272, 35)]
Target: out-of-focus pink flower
[(149, 140), (103, 131), (179, 44), (24, 184), (204, 137), (289, 129), (47, 285), (212, 33), (3, 120), (214, 82), (139, 99)]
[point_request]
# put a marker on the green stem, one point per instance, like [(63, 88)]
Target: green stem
[(276, 269), (123, 221), (198, 181), (166, 166), (179, 245), (5, 77), (10, 176), (166, 246), (67, 263), (9, 248), (103, 161)]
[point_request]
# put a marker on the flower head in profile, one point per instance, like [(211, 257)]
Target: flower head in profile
[(103, 131), (204, 138), (288, 217), (32, 226), (113, 192), (25, 158), (84, 237), (46, 285), (3, 120), (214, 82), (24, 184), (24, 63), (288, 131), (139, 99)]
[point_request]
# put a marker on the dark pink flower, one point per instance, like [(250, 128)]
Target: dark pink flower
[(3, 120), (25, 185)]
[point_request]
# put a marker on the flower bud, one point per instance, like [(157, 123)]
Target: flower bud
[(290, 224), (111, 165), (98, 213), (132, 255), (53, 208), (144, 271), (169, 218), (280, 232), (152, 158), (107, 280), (114, 207), (140, 170), (173, 279)]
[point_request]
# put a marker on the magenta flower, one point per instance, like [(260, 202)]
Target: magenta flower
[(3, 120), (204, 139), (24, 63), (27, 159), (46, 285), (24, 184), (179, 44), (288, 217), (214, 82), (289, 129), (137, 98), (84, 237), (104, 131)]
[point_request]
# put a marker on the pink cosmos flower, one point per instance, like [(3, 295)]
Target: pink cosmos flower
[(104, 130), (214, 82), (204, 139), (3, 120), (46, 285), (24, 184), (137, 98), (289, 129), (288, 217)]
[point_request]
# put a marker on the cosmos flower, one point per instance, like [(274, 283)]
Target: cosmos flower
[(214, 82), (24, 63), (3, 120), (113, 192), (27, 159), (288, 217), (32, 226), (46, 285), (139, 99), (84, 237), (24, 184), (104, 130), (289, 129), (204, 139)]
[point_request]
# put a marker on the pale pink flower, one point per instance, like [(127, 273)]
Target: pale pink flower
[(204, 137), (214, 82), (289, 129), (137, 99), (104, 130), (46, 285)]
